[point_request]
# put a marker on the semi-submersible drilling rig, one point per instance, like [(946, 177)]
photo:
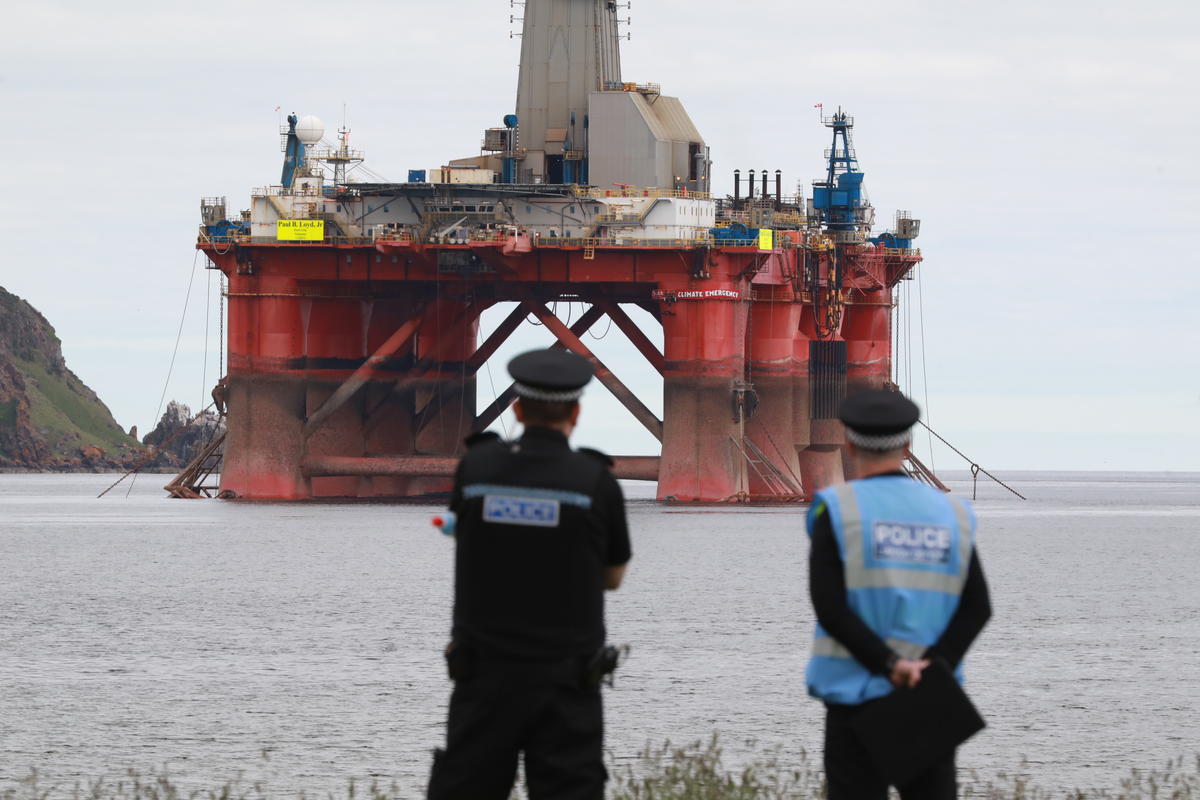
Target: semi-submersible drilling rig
[(353, 308)]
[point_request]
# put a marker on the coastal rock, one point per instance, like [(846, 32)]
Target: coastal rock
[(179, 438), (49, 419), (91, 454), (18, 440)]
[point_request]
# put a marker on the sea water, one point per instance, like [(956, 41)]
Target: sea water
[(301, 644)]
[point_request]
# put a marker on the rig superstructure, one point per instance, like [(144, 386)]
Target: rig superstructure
[(353, 332)]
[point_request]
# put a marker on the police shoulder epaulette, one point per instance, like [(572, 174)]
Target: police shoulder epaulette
[(481, 437), (596, 454)]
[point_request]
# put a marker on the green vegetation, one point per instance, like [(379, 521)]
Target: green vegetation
[(66, 413), (8, 413), (696, 773), (661, 773), (65, 416)]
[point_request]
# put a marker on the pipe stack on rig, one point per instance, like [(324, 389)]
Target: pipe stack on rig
[(353, 330)]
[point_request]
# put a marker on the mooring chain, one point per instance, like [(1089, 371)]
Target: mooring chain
[(975, 468)]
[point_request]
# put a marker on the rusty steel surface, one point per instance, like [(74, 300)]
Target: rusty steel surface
[(634, 468)]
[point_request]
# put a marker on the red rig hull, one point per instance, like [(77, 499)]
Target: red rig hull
[(352, 365)]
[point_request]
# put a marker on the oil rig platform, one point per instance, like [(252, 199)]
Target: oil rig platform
[(354, 308)]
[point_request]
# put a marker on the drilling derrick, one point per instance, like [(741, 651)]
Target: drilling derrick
[(354, 307)]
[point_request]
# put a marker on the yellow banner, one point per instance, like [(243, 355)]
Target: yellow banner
[(766, 239), (300, 230)]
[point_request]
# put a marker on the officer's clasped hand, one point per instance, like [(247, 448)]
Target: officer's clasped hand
[(907, 674)]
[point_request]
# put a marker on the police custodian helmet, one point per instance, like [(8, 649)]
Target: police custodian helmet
[(878, 419), (550, 375)]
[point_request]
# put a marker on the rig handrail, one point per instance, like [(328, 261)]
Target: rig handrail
[(636, 191), (616, 219), (543, 242), (901, 252), (330, 192)]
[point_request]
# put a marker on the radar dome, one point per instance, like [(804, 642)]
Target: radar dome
[(310, 129)]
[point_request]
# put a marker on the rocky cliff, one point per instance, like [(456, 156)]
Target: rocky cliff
[(50, 420), (180, 437)]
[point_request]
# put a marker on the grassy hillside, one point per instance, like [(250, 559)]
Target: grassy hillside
[(67, 414), (49, 419)]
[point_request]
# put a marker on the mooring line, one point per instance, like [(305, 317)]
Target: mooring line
[(975, 468)]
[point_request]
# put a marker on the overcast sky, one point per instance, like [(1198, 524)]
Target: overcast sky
[(1050, 149)]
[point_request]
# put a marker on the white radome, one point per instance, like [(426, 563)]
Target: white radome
[(310, 129)]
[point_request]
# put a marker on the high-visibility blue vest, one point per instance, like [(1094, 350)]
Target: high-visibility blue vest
[(905, 548)]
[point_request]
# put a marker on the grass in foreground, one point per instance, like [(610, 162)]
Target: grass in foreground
[(696, 773), (666, 772)]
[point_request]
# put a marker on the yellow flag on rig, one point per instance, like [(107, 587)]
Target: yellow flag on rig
[(766, 239), (300, 230)]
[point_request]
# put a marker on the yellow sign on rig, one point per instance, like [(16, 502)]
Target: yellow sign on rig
[(766, 239), (300, 230)]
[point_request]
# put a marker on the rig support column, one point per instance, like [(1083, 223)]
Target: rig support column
[(704, 355), (821, 461), (866, 327), (445, 393), (774, 320), (266, 389)]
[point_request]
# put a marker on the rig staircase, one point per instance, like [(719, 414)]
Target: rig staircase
[(191, 483), (776, 481), (917, 470)]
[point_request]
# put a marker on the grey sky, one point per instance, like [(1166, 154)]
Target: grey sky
[(1049, 148)]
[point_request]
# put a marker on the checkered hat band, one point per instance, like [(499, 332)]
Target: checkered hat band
[(890, 441), (547, 395)]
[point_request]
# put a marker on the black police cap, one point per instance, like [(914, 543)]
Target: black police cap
[(552, 375), (878, 419)]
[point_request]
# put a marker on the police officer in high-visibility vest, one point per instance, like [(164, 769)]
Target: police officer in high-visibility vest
[(896, 582), (541, 535)]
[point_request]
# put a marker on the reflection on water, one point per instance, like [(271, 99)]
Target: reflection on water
[(201, 634)]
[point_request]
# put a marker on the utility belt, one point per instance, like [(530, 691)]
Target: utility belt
[(464, 663)]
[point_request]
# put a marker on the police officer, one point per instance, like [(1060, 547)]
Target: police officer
[(895, 582), (541, 534)]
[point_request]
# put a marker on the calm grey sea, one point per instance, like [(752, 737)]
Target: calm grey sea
[(301, 644)]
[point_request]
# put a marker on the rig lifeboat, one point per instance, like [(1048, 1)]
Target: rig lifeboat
[(517, 243)]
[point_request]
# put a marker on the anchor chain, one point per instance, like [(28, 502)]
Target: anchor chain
[(975, 468)]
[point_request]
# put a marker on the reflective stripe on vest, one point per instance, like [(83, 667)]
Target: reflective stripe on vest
[(831, 648), (473, 490)]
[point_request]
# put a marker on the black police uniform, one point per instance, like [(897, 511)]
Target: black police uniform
[(537, 525), (873, 419)]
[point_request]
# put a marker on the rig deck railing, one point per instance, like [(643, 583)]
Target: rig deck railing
[(551, 242), (545, 242), (331, 192), (634, 191)]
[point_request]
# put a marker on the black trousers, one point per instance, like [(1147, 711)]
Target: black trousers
[(500, 713), (851, 775)]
